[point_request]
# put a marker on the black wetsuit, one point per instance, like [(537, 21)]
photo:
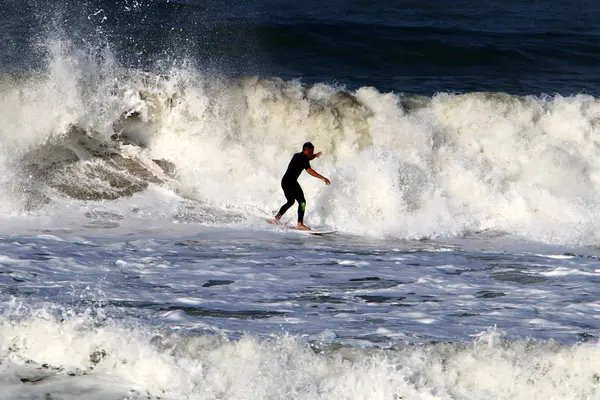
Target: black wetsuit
[(291, 187)]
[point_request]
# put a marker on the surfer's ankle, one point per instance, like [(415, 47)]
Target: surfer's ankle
[(303, 227)]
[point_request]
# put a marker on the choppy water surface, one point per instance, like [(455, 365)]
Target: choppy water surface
[(230, 313)]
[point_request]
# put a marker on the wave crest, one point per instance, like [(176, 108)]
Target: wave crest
[(404, 167)]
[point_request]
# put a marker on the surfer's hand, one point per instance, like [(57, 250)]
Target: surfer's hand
[(318, 154), (327, 181)]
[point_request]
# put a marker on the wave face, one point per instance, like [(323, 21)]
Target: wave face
[(401, 166), (59, 354)]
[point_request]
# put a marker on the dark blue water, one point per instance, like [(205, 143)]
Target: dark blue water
[(413, 47)]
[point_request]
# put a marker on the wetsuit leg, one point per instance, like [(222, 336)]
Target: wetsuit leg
[(301, 203), (290, 196), (293, 192)]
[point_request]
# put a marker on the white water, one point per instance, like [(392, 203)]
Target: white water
[(244, 314), (172, 367), (456, 164)]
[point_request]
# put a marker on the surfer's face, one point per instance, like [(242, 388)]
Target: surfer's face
[(309, 152)]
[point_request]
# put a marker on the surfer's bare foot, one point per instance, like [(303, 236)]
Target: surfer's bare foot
[(274, 220), (302, 227)]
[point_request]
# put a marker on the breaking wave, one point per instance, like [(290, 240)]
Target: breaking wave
[(88, 129)]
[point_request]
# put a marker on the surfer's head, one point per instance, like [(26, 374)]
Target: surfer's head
[(308, 148)]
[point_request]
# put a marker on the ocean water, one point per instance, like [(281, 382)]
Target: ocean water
[(142, 144)]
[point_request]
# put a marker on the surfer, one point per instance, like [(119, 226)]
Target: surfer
[(291, 187)]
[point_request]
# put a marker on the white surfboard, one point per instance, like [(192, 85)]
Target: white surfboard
[(316, 231), (320, 232), (251, 210)]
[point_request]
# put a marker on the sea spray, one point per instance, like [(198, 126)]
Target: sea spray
[(401, 167)]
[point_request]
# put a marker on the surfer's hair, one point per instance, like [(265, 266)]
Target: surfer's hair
[(308, 145)]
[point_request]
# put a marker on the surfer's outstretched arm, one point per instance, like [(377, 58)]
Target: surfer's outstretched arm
[(316, 155), (317, 175)]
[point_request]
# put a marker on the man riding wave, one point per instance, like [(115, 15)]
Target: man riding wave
[(291, 188)]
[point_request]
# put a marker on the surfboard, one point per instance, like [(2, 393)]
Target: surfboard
[(260, 213), (318, 232)]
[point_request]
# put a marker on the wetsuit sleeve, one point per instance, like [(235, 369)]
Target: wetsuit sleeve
[(306, 163)]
